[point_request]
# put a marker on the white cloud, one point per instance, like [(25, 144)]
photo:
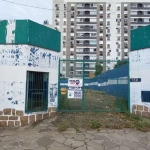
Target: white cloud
[(14, 11)]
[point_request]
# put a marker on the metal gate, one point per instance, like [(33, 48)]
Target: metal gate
[(80, 90)]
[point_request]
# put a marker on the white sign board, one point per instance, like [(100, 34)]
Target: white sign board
[(72, 82), (75, 88)]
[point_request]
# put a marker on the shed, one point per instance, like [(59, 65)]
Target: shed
[(29, 57)]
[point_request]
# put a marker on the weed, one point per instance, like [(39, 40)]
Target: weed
[(143, 125), (62, 126), (95, 124), (128, 124)]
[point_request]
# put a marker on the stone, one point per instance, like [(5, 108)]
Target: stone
[(138, 113), (38, 117), (1, 112), (11, 123), (131, 137), (134, 107), (19, 113), (77, 144), (13, 117), (46, 115), (80, 138), (132, 145), (122, 147), (109, 144), (24, 120), (44, 141), (52, 114), (81, 148), (141, 148), (101, 137), (88, 136), (98, 141), (17, 123), (69, 142), (49, 109), (60, 140), (144, 140), (90, 148), (145, 108), (31, 118), (13, 112), (95, 145), (3, 123), (53, 109), (7, 111), (3, 117), (59, 148), (139, 107), (146, 114)]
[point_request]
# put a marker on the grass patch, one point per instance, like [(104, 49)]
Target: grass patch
[(143, 125), (62, 126), (95, 124)]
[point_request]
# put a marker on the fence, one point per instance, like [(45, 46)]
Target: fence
[(108, 91)]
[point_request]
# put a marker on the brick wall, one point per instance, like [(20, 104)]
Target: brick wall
[(141, 110), (12, 117)]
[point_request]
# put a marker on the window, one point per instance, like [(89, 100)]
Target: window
[(125, 53), (37, 92), (145, 96)]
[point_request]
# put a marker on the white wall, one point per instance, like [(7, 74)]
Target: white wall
[(15, 61), (139, 68)]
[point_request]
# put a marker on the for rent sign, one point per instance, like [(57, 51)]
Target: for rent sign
[(75, 88)]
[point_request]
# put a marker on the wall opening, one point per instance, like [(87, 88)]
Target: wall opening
[(36, 91)]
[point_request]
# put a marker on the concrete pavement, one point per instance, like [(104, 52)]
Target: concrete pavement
[(45, 136)]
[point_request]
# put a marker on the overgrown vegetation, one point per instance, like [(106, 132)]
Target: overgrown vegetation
[(94, 124), (120, 63), (101, 120), (98, 68), (62, 126)]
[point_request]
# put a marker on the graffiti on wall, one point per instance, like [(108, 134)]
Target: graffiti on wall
[(21, 55), (14, 92), (53, 94)]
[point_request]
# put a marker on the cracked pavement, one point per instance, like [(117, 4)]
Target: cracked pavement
[(45, 136)]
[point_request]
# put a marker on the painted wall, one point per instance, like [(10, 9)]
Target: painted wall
[(15, 61), (139, 68)]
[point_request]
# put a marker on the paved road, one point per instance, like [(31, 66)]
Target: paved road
[(46, 137)]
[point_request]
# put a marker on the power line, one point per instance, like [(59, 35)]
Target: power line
[(49, 8), (26, 5)]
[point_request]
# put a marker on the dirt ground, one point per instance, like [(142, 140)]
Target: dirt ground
[(100, 120), (94, 101)]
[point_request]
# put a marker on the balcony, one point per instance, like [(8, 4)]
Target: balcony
[(125, 8), (86, 6), (139, 6), (86, 57), (86, 13), (87, 28), (72, 15)]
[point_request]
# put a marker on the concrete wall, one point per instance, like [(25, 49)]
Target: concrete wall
[(15, 61), (139, 68)]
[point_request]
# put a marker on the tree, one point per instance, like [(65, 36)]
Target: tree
[(98, 69), (120, 63)]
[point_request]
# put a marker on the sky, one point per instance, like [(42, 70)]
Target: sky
[(14, 11)]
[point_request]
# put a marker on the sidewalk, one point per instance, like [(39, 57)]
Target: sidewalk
[(45, 136)]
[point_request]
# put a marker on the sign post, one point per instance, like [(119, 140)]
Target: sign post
[(75, 88)]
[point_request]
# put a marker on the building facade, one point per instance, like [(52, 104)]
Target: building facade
[(29, 72), (96, 30)]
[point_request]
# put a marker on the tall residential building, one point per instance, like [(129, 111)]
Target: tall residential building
[(97, 30)]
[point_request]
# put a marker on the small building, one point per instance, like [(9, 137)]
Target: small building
[(139, 58), (29, 56)]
